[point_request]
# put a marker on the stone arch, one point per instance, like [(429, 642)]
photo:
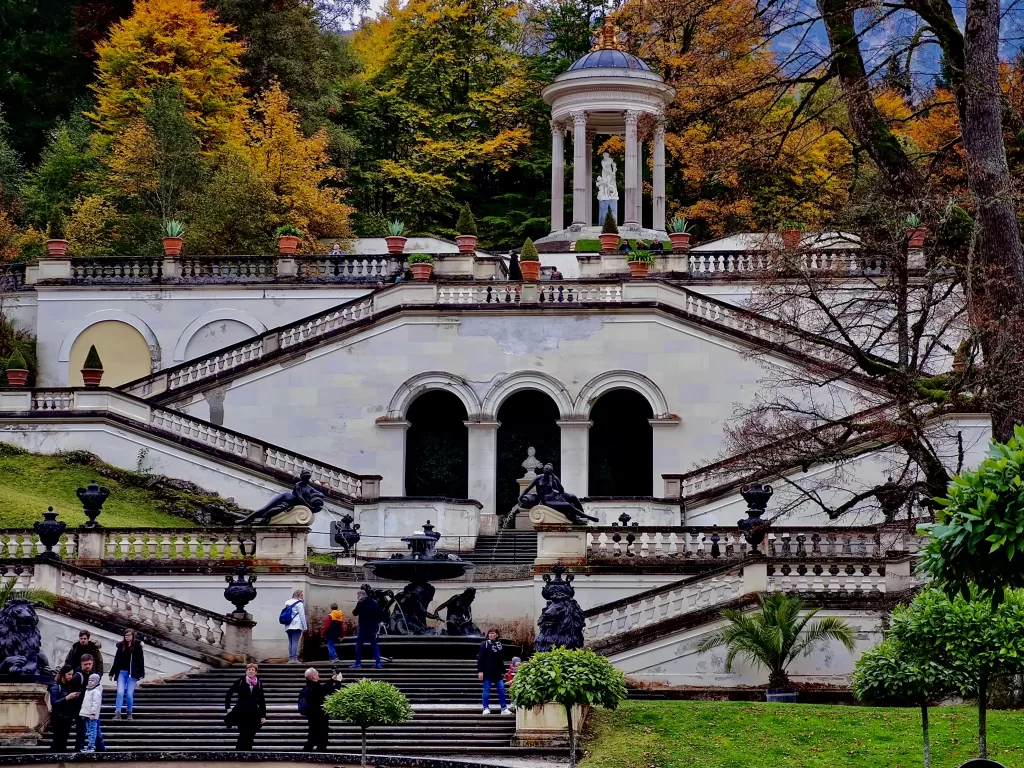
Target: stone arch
[(611, 380), (433, 380), (102, 315), (213, 316), (520, 380)]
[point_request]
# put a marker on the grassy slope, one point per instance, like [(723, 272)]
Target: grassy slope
[(675, 734), (30, 483)]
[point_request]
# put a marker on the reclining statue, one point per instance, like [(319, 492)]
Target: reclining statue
[(550, 493), (303, 494)]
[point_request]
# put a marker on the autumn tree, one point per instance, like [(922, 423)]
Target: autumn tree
[(174, 43), (65, 173)]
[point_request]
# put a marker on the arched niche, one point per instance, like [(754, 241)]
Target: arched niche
[(437, 446), (529, 418), (124, 352), (621, 449)]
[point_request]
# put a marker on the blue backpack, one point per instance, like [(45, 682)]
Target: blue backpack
[(287, 614)]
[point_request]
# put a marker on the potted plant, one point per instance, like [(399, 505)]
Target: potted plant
[(775, 635), (680, 234), (529, 261), (609, 232), (173, 231), (17, 370), (466, 227), (792, 232), (56, 245), (396, 236), (92, 369), (640, 263), (915, 232), (422, 266), (287, 239)]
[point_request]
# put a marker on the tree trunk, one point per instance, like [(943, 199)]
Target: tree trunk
[(364, 749), (924, 730), (572, 737), (983, 716)]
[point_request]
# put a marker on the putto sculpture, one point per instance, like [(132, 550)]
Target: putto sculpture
[(561, 622), (459, 619), (303, 494), (550, 493), (20, 641)]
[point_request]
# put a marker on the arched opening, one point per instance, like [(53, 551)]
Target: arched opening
[(528, 418), (621, 445), (122, 349), (437, 446), (216, 335)]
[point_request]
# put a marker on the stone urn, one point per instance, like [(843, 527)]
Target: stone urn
[(49, 530), (638, 269), (56, 249), (396, 245), (754, 528), (92, 498), (422, 271), (92, 377), (287, 245), (16, 377), (530, 270), (791, 239), (466, 243), (915, 237), (680, 241), (609, 242), (172, 246)]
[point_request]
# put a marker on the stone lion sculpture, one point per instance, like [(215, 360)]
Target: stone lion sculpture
[(20, 640)]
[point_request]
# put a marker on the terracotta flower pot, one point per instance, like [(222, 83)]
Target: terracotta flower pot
[(16, 377), (466, 243), (915, 237), (609, 242), (287, 244), (172, 246), (530, 270), (56, 249), (395, 244), (638, 269), (92, 376), (680, 241), (791, 239), (421, 271)]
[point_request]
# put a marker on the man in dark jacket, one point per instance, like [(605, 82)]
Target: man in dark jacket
[(370, 615), (85, 645), (64, 706), (490, 668), (312, 707)]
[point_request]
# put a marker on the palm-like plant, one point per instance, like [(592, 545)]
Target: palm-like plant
[(775, 635), (9, 590)]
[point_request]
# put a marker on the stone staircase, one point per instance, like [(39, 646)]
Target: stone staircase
[(188, 714), (510, 547)]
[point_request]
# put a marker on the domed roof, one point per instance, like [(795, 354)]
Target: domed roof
[(609, 58)]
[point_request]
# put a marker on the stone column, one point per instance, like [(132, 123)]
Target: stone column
[(665, 436), (483, 456), (557, 177), (629, 209), (658, 194), (580, 172), (575, 445), (590, 179), (639, 182)]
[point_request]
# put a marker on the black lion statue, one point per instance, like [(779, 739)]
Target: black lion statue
[(561, 623), (20, 641)]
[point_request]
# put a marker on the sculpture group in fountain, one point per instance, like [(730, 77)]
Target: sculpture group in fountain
[(607, 192), (551, 494), (561, 622), (303, 494)]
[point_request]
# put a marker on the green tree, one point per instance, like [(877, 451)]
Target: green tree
[(10, 165), (979, 527), (66, 173), (970, 638), (367, 704), (775, 635), (571, 678), (892, 671)]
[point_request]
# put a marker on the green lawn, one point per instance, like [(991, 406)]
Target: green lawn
[(693, 734), (30, 483)]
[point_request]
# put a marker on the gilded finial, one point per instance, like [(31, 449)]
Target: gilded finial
[(607, 38)]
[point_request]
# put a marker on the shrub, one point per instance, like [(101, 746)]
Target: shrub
[(92, 360), (643, 257), (609, 227), (288, 231), (466, 225), (421, 258), (56, 229), (17, 362), (529, 252), (368, 703)]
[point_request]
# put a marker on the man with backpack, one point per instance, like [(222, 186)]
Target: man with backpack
[(293, 617), (311, 706)]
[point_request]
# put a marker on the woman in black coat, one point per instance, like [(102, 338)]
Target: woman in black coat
[(250, 711)]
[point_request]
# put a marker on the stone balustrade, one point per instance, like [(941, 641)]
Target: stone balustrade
[(843, 261), (213, 365), (174, 544), (122, 406), (221, 269), (325, 323), (329, 269), (846, 576), (26, 544), (115, 270)]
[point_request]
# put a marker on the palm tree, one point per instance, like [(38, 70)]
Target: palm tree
[(9, 591), (775, 635)]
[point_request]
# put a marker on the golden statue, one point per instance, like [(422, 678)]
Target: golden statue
[(607, 38)]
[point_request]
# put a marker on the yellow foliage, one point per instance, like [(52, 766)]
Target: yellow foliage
[(133, 160), (94, 227), (170, 43)]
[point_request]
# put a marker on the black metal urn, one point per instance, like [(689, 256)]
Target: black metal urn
[(754, 527), (92, 499), (240, 591), (345, 534), (50, 529)]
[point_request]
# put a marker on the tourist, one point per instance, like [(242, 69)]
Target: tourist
[(79, 683), (556, 275), (294, 626), (129, 667), (490, 667), (336, 249), (85, 645), (370, 615), (334, 626), (92, 702), (64, 706), (311, 706), (250, 712), (656, 245), (625, 247), (513, 667)]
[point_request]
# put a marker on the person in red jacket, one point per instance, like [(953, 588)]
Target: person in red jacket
[(334, 630)]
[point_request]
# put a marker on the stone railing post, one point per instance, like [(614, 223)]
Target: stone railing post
[(566, 544), (46, 576), (673, 487), (170, 267), (755, 578), (238, 636), (54, 269), (287, 266), (282, 544), (898, 576), (90, 546), (371, 487)]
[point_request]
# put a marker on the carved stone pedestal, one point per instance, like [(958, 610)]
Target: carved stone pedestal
[(23, 712), (298, 515), (558, 540), (546, 726)]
